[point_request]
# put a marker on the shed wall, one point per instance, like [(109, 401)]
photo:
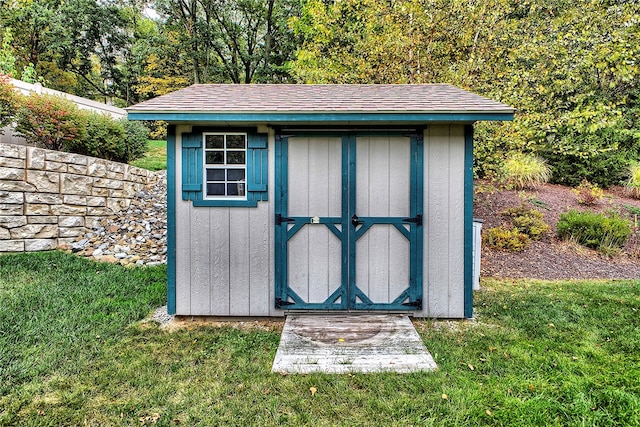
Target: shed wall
[(225, 256)]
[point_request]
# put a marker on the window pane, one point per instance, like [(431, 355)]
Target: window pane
[(214, 141), (215, 174), (235, 157), (232, 189), (235, 141), (235, 174), (215, 157), (215, 189)]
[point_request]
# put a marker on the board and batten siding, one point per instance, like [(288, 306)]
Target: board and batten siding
[(224, 259), (443, 272), (224, 255)]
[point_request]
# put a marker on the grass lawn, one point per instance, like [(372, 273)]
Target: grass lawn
[(73, 352), (156, 157)]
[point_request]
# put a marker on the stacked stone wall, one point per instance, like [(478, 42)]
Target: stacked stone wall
[(49, 198)]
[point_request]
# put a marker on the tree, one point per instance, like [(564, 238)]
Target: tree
[(237, 41)]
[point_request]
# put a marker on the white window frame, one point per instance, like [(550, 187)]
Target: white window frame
[(224, 166)]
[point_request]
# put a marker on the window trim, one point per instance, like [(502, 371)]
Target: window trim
[(193, 170), (225, 165)]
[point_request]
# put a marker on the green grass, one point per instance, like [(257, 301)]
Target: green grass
[(538, 353), (156, 157)]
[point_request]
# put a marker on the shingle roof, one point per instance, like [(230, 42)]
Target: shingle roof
[(288, 98), (293, 102)]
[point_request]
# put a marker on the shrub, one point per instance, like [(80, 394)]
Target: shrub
[(527, 221), (587, 193), (504, 238), (103, 137), (9, 101), (593, 230), (49, 121), (633, 184), (521, 171), (106, 138), (136, 136)]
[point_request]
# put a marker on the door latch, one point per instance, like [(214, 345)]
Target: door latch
[(280, 219), (416, 220), (355, 220)]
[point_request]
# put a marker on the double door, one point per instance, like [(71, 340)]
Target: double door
[(348, 221)]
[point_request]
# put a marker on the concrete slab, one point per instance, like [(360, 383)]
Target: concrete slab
[(343, 343)]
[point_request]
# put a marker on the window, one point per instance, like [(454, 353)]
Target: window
[(224, 168), (225, 159)]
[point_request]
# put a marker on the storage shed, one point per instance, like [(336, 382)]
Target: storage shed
[(320, 197)]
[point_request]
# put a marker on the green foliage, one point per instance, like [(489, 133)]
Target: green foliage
[(527, 221), (9, 102), (7, 58), (524, 171), (49, 121), (135, 141), (633, 184), (106, 138), (506, 238), (587, 193), (597, 231), (103, 138)]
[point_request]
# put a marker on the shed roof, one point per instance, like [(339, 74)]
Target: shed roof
[(288, 102)]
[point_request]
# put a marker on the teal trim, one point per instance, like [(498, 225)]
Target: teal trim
[(350, 185), (171, 219), (417, 288), (199, 202), (257, 165), (350, 295), (468, 221), (191, 166), (256, 169), (324, 118)]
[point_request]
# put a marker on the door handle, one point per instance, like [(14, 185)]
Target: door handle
[(355, 220)]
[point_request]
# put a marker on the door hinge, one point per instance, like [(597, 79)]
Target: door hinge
[(416, 220), (280, 302), (417, 304), (280, 219)]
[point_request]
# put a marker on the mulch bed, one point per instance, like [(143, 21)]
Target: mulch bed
[(551, 258)]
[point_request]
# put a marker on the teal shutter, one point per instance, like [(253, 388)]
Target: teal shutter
[(257, 166), (192, 166)]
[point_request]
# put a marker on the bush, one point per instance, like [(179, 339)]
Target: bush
[(136, 136), (633, 184), (587, 193), (103, 137), (106, 138), (527, 221), (521, 171), (593, 230), (9, 102), (508, 239), (49, 121)]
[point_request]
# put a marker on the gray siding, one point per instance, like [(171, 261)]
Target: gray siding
[(224, 256), (443, 274)]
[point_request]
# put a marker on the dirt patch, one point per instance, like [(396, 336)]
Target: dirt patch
[(551, 258)]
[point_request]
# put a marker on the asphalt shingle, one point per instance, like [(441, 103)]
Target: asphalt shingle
[(284, 98)]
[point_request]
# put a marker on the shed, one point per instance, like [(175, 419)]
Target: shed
[(320, 197)]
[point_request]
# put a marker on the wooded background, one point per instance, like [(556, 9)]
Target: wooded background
[(570, 68)]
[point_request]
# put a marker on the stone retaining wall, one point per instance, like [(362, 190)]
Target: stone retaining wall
[(48, 198)]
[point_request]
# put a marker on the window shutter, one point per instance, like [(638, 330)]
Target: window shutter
[(257, 169), (191, 166)]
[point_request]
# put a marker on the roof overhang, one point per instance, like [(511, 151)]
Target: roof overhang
[(328, 117)]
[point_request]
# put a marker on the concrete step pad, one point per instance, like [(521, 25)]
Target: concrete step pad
[(343, 343)]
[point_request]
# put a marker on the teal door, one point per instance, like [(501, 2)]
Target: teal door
[(348, 221)]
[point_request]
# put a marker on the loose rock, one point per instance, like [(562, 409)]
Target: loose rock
[(135, 236)]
